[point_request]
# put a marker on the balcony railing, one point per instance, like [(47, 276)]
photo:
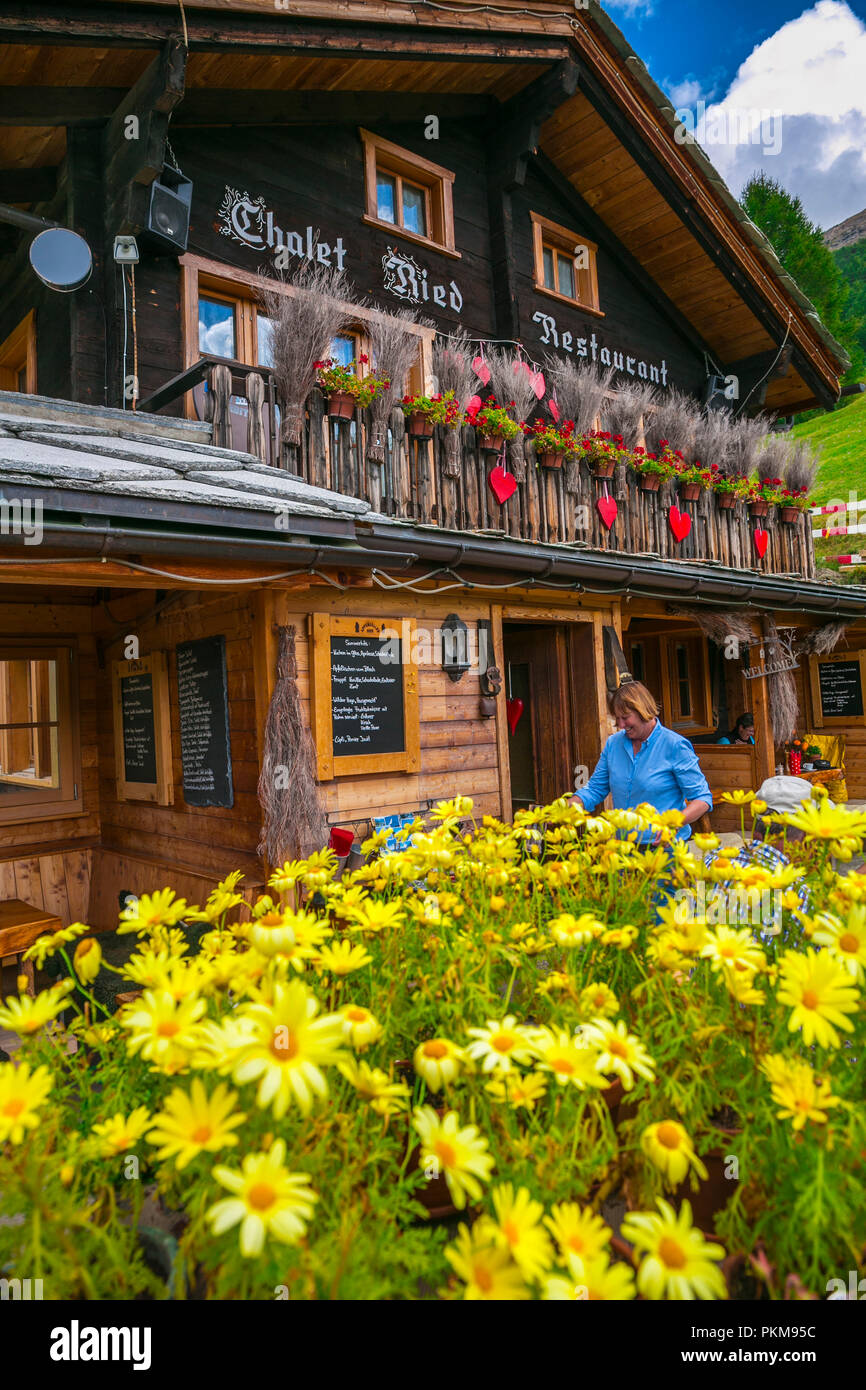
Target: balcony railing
[(418, 482)]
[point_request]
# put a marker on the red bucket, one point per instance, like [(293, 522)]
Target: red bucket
[(341, 841)]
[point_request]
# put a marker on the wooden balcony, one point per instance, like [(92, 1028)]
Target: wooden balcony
[(415, 481)]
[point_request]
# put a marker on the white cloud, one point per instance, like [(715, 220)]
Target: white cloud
[(803, 89), (685, 93), (631, 7)]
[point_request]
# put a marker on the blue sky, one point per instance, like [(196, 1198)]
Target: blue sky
[(802, 60)]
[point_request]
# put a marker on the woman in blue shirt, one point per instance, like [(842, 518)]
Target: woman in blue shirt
[(743, 731), (645, 762)]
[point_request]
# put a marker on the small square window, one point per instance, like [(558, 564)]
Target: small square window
[(409, 193), (565, 264)]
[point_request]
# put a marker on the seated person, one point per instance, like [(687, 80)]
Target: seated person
[(743, 731)]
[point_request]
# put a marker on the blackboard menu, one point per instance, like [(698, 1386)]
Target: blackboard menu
[(139, 730), (366, 696), (205, 745), (841, 689)]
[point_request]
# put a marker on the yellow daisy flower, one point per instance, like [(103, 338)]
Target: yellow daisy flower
[(120, 1133), (461, 1155), (520, 1092), (486, 1269), (598, 1281), (623, 937), (727, 949), (737, 798), (518, 1228), (669, 1147), (569, 931), (45, 946), (598, 1001), (373, 916), (193, 1123), (153, 910), (386, 1097), (578, 1232), (163, 1029), (342, 958), (437, 1061), (825, 820), (286, 1048), (821, 992), (268, 1201), (572, 1059), (21, 1094), (845, 940), (500, 1044), (26, 1016), (620, 1051), (678, 1262), (360, 1026), (803, 1096)]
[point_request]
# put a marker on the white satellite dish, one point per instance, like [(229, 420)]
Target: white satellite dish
[(61, 259)]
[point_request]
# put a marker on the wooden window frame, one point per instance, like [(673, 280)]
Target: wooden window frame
[(32, 803), (200, 275), (17, 354), (699, 721), (437, 182), (562, 240), (324, 626), (160, 792)]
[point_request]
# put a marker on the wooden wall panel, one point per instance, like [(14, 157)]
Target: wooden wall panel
[(58, 882)]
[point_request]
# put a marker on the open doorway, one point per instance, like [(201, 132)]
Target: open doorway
[(542, 744)]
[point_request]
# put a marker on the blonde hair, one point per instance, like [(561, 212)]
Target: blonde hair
[(633, 697)]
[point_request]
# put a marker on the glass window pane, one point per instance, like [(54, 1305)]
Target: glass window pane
[(343, 350), (414, 209), (386, 197), (264, 340), (547, 258), (565, 268), (216, 328), (28, 696)]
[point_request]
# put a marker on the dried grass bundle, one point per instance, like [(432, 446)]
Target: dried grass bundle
[(821, 640), (293, 820), (713, 439), (580, 390), (303, 326), (675, 419), (452, 367), (747, 436), (625, 411), (781, 690), (509, 381), (773, 458), (802, 465), (720, 626), (395, 351)]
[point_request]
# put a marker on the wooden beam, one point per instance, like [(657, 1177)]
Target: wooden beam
[(139, 157), (44, 106), (28, 185), (756, 372)]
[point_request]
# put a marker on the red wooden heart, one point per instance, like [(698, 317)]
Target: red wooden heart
[(481, 370), (554, 410), (473, 405), (607, 510), (502, 484), (514, 711), (538, 385), (762, 540), (680, 523)]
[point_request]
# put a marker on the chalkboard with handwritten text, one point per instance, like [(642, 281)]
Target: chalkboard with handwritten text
[(205, 742)]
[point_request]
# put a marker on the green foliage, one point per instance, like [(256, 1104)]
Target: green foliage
[(800, 246)]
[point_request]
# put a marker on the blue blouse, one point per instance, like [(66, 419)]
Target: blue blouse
[(666, 773)]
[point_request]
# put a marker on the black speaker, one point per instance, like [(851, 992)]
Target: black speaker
[(168, 214)]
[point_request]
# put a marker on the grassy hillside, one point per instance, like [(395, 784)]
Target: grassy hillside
[(841, 437)]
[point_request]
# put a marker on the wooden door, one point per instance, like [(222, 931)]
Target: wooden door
[(541, 749)]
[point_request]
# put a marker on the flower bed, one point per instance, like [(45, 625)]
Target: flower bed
[(276, 1102)]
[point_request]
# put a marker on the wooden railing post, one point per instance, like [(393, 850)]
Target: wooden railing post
[(220, 390), (256, 443)]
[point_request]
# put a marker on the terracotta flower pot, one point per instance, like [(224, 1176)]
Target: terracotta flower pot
[(490, 443), (418, 425), (603, 470), (791, 515), (650, 482), (341, 405), (550, 460), (758, 509), (727, 501), (690, 492)]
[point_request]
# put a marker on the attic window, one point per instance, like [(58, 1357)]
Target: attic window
[(565, 264), (18, 357), (409, 195)]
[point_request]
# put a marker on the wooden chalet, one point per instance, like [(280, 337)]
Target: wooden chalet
[(155, 540)]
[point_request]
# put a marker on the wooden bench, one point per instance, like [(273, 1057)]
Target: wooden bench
[(20, 925)]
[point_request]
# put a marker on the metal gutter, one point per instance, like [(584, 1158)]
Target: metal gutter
[(651, 578)]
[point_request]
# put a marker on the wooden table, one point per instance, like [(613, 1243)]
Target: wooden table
[(20, 925)]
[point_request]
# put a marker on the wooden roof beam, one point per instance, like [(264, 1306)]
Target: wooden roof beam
[(131, 162)]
